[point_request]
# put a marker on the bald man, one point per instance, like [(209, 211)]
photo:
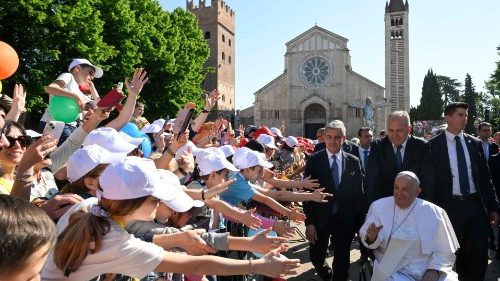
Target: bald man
[(412, 238)]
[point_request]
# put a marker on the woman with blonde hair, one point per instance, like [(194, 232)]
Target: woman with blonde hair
[(92, 240)]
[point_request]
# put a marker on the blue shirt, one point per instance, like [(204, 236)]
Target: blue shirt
[(240, 190)]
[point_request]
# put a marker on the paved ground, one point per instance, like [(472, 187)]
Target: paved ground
[(300, 250)]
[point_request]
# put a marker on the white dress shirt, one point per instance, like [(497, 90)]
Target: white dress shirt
[(338, 155), (452, 154)]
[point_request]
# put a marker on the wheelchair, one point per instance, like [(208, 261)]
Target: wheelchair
[(366, 263)]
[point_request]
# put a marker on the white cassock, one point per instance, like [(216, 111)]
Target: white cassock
[(422, 238)]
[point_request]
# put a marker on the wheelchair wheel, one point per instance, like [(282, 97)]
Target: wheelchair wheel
[(366, 271)]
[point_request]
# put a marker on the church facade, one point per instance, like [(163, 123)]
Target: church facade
[(317, 86)]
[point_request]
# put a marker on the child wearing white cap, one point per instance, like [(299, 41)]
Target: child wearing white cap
[(132, 190), (251, 165), (84, 168), (79, 77), (215, 169)]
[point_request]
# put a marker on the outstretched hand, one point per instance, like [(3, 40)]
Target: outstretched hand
[(262, 243), (211, 99), (372, 232), (135, 85)]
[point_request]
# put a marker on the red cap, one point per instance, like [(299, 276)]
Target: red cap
[(263, 130)]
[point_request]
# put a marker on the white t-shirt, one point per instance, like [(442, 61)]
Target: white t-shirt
[(120, 252), (70, 85)]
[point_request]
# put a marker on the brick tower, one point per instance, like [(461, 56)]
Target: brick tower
[(217, 22), (397, 63)]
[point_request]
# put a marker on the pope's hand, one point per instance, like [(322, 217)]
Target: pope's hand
[(372, 233)]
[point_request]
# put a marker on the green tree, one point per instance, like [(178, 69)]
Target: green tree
[(118, 35), (46, 34), (450, 88), (470, 97), (493, 86), (431, 104)]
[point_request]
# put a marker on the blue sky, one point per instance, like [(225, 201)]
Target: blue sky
[(451, 37)]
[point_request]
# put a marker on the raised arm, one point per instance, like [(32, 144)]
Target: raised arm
[(18, 103), (134, 88), (210, 101)]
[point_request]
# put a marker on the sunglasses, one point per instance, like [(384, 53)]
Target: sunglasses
[(23, 141)]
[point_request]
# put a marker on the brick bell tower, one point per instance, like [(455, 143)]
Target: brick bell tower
[(217, 23), (397, 63)]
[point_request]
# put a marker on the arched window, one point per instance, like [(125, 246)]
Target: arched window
[(223, 56), (223, 38), (392, 34), (229, 42), (229, 59), (401, 34), (207, 35), (223, 98), (392, 22), (230, 101), (401, 21)]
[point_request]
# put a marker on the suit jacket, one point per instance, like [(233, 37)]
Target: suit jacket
[(493, 149), (347, 146), (480, 173), (494, 165), (349, 195), (382, 168)]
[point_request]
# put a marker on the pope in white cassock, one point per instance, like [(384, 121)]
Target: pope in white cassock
[(412, 238)]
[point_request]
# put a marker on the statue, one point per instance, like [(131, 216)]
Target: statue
[(369, 111)]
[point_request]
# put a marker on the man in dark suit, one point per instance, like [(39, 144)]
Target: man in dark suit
[(463, 188), (340, 173), (397, 152), (494, 165), (484, 134)]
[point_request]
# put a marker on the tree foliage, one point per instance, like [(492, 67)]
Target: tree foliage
[(118, 35), (450, 88), (470, 97), (493, 86), (431, 104)]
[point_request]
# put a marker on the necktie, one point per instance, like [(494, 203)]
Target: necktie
[(365, 159), (463, 176), (399, 158), (335, 172), (336, 181)]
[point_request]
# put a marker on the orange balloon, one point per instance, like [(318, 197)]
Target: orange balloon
[(9, 61)]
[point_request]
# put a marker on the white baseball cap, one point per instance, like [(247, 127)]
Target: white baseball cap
[(180, 202), (227, 149), (110, 139), (171, 121), (267, 140), (134, 177), (159, 122), (151, 128), (98, 71), (213, 162), (276, 131), (245, 158), (292, 141), (87, 158)]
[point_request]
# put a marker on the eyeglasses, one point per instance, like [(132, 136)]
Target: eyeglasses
[(23, 141)]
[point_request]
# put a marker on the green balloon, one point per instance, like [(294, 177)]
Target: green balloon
[(63, 109)]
